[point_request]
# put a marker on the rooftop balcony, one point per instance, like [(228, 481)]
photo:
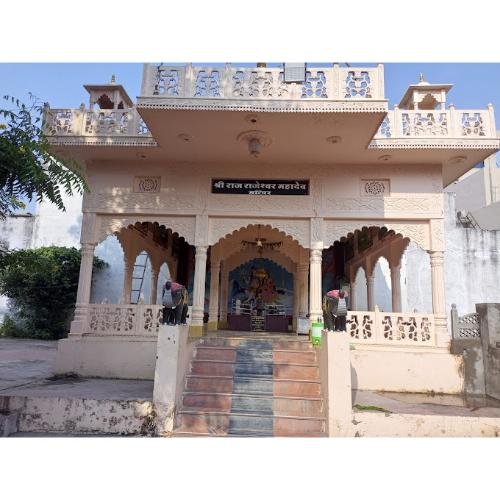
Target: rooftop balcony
[(263, 83), (431, 124), (288, 114)]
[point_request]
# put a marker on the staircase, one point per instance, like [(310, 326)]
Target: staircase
[(252, 386)]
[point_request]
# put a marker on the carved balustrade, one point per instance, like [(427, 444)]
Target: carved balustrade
[(100, 122), (123, 319), (396, 329), (230, 82), (453, 123)]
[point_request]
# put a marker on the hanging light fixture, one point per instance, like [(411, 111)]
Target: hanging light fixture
[(261, 243)]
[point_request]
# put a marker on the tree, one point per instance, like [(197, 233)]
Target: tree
[(41, 286), (29, 168)]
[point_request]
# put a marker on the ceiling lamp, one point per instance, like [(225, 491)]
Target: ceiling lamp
[(255, 140), (261, 243)]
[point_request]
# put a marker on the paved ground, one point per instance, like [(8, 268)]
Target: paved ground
[(25, 361), (26, 370)]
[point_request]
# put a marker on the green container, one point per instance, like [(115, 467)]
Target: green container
[(316, 330)]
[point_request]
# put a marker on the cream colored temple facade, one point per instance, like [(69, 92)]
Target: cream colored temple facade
[(307, 158)]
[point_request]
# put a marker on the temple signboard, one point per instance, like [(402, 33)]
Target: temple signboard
[(260, 187)]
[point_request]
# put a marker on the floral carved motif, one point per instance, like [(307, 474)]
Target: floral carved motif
[(431, 123), (314, 86), (61, 122), (167, 82), (374, 187), (381, 204), (131, 201), (107, 122), (207, 84), (357, 84), (258, 84), (472, 124), (147, 184), (126, 320)]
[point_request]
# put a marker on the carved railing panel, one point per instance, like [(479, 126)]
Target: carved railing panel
[(100, 122), (376, 327), (452, 123), (262, 83), (424, 123), (123, 320)]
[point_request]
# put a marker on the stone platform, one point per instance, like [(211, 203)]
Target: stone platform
[(44, 405)]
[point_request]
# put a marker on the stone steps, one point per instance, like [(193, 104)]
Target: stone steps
[(252, 386), (252, 403), (246, 424), (245, 385), (224, 353)]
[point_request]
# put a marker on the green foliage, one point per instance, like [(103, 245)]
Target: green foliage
[(29, 168), (41, 285)]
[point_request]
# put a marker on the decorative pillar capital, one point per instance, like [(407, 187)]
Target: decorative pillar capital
[(437, 258), (201, 252), (316, 255)]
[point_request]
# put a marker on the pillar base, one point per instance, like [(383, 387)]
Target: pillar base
[(195, 330), (223, 324), (212, 326)]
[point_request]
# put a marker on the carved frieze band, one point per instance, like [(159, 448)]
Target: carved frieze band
[(383, 204), (296, 229), (109, 224), (145, 201), (417, 232)]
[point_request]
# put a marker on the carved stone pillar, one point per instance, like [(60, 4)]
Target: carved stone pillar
[(303, 274), (438, 298), (303, 284), (78, 324), (370, 292), (315, 307), (154, 284), (213, 311), (396, 288), (352, 299), (295, 300), (128, 266), (224, 284), (196, 328)]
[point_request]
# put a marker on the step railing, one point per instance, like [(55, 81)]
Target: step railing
[(232, 82), (397, 329), (456, 123)]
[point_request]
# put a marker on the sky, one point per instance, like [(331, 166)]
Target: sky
[(61, 84)]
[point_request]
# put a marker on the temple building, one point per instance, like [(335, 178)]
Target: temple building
[(259, 189)]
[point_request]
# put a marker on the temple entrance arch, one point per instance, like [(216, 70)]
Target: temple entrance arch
[(275, 251)]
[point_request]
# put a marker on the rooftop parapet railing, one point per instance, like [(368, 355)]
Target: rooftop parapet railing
[(428, 124), (90, 123), (230, 82)]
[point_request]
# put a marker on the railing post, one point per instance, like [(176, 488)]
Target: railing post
[(491, 116), (453, 125), (380, 82)]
